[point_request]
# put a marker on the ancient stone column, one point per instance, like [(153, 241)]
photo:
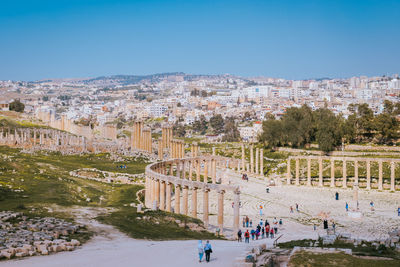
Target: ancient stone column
[(153, 191), (297, 171), (160, 149), (213, 171), (392, 180), (221, 210), (257, 160), (262, 162), (332, 173), (162, 196), (243, 158), (309, 172), (356, 171), (380, 179), (168, 197), (194, 202), (205, 207), (158, 192), (205, 178), (198, 162), (185, 200), (248, 167), (368, 174), (177, 199), (147, 195), (190, 163), (251, 159), (178, 169), (321, 178), (183, 169), (236, 211), (344, 174), (288, 175), (183, 149)]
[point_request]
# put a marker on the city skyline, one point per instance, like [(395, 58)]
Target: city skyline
[(288, 40)]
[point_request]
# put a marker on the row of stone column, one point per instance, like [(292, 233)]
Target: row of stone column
[(344, 171), (166, 136), (177, 149), (40, 137), (160, 192), (256, 164), (141, 137)]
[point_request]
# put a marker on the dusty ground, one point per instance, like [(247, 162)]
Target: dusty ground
[(312, 201)]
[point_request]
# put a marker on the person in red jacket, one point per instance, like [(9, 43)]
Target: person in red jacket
[(247, 236), (272, 233)]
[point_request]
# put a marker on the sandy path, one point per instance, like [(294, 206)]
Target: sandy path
[(113, 248)]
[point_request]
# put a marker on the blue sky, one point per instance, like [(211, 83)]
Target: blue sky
[(288, 39)]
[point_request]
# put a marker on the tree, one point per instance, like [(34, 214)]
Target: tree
[(200, 126), (272, 132), (231, 132), (298, 126), (217, 123), (17, 106), (328, 132), (179, 130)]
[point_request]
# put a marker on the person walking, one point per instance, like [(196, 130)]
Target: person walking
[(398, 211), (262, 232), (291, 209), (247, 222), (200, 250), (247, 236), (347, 206), (244, 222), (252, 232), (272, 233), (208, 250), (251, 223), (239, 235), (297, 207), (337, 196), (372, 205), (267, 231)]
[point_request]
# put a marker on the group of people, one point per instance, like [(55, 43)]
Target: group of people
[(245, 177), (204, 249), (263, 229)]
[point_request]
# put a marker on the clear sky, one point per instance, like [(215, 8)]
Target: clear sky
[(289, 39)]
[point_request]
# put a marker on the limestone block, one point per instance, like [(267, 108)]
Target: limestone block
[(45, 252), (75, 242), (6, 254)]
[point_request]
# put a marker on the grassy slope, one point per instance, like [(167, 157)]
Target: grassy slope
[(336, 259), (44, 180)]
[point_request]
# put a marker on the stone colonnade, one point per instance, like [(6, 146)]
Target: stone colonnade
[(166, 135), (177, 149), (175, 179), (256, 165), (141, 137), (344, 181), (42, 138)]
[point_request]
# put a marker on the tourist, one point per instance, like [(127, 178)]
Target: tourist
[(261, 223), (261, 210), (257, 233), (398, 211), (297, 207), (247, 222), (372, 205), (252, 232), (200, 250), (262, 232), (280, 222), (208, 250), (258, 227), (315, 227), (271, 233), (334, 227), (347, 206), (239, 235), (251, 223), (267, 231), (267, 189), (337, 196), (325, 224), (244, 222), (291, 209), (247, 236)]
